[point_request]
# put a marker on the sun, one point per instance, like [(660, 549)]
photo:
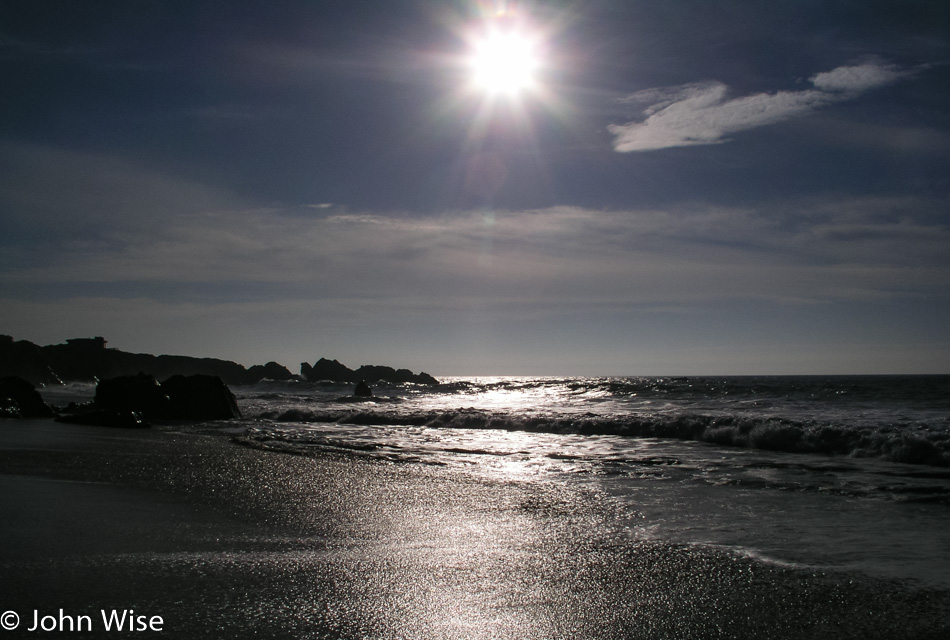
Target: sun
[(505, 62)]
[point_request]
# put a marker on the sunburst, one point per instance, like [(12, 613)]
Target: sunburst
[(505, 62)]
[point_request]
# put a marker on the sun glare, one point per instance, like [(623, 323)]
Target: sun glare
[(504, 62), (507, 70)]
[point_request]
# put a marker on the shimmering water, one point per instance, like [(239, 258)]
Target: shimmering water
[(846, 472), (832, 472)]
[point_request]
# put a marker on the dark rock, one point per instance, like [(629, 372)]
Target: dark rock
[(377, 373), (140, 393), (89, 359), (24, 359), (362, 390), (331, 370), (20, 399), (130, 401), (106, 418), (269, 371), (424, 378), (78, 407), (200, 397), (229, 372), (388, 374)]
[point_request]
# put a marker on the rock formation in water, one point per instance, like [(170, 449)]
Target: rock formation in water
[(20, 399), (140, 393), (330, 370), (270, 371), (134, 401), (200, 397), (333, 371)]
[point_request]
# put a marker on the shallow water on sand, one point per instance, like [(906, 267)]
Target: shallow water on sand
[(263, 544), (676, 492), (690, 481)]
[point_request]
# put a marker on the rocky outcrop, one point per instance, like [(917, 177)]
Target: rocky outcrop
[(88, 359), (396, 376), (200, 397), (140, 393), (24, 359), (134, 401), (269, 371), (20, 399), (333, 371)]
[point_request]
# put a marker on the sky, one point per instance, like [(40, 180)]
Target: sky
[(670, 188)]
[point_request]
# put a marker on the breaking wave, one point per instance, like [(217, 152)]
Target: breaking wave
[(913, 444)]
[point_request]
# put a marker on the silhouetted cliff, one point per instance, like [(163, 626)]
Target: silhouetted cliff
[(25, 360), (89, 359)]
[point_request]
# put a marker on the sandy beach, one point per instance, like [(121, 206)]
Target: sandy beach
[(222, 540)]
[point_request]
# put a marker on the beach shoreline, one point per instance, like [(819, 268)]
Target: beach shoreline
[(230, 541)]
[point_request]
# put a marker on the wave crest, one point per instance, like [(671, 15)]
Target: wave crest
[(906, 444)]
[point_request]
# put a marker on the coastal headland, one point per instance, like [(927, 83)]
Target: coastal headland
[(133, 388), (87, 359)]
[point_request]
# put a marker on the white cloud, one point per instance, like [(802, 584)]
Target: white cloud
[(700, 114), (95, 225), (858, 78)]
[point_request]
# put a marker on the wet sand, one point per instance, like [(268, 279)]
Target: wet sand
[(222, 540)]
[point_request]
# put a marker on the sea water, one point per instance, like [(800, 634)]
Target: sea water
[(831, 472), (842, 472)]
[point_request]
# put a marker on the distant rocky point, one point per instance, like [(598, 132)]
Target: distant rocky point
[(128, 391), (333, 371), (87, 359)]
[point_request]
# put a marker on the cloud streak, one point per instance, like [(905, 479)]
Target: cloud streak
[(103, 226), (823, 251), (56, 192), (701, 114)]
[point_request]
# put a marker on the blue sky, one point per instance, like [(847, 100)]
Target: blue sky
[(687, 187)]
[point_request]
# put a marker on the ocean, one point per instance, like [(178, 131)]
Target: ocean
[(505, 507), (832, 472)]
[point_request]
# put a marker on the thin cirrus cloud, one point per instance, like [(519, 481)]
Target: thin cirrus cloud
[(865, 248), (700, 114), (101, 224)]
